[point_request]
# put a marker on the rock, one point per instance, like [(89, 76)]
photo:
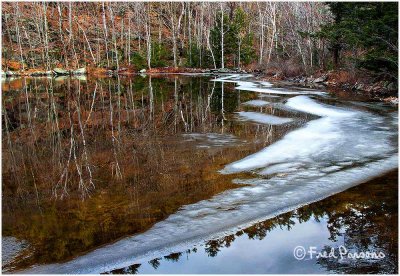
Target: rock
[(321, 79), (142, 71), (278, 76), (392, 100), (122, 70), (80, 71), (234, 70), (302, 80), (60, 78), (378, 87), (41, 73), (346, 86), (80, 77), (227, 71), (60, 71), (359, 86), (13, 74), (368, 88), (223, 70)]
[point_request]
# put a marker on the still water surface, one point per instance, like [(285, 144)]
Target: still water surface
[(357, 220), (179, 160)]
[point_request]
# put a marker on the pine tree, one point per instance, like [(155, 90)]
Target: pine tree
[(238, 42), (371, 27)]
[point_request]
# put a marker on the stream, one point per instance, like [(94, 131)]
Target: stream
[(244, 159)]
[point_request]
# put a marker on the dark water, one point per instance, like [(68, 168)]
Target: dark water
[(89, 162), (359, 220)]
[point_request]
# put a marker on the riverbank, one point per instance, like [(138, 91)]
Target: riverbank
[(104, 72), (339, 80)]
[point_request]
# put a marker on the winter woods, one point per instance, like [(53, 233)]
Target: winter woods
[(192, 34), (295, 37)]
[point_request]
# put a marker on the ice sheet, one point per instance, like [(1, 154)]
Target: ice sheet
[(263, 118), (232, 78), (256, 103), (327, 155), (219, 216), (340, 135), (260, 86), (308, 105), (275, 90), (281, 168), (211, 140)]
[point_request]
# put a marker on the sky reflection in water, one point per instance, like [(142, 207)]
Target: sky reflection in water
[(359, 221), (143, 139)]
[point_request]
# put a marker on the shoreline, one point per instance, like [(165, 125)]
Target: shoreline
[(384, 91)]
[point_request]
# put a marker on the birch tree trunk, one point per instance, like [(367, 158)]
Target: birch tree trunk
[(148, 37), (114, 36), (105, 33), (261, 16), (222, 36)]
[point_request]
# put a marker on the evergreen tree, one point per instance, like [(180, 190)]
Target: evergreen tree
[(160, 55), (238, 42), (215, 37), (242, 41), (371, 27)]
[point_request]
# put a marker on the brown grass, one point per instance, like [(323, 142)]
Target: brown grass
[(342, 76), (11, 65)]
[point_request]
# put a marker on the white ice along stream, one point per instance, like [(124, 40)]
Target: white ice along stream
[(263, 118), (256, 103), (328, 155)]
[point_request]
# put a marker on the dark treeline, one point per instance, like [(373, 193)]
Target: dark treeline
[(297, 38)]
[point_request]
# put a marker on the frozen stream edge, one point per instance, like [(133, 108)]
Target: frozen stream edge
[(266, 198), (133, 249)]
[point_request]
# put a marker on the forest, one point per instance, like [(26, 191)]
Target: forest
[(280, 38), (198, 137)]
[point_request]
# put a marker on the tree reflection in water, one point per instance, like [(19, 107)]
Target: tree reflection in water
[(364, 221), (88, 162)]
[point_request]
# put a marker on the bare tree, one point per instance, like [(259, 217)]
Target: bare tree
[(172, 17)]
